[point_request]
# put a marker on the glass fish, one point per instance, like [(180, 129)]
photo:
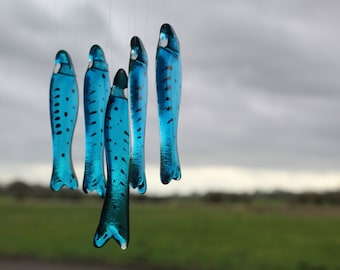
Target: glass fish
[(114, 220), (96, 94), (168, 84), (64, 103), (138, 95)]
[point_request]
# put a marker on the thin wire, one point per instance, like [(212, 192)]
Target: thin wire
[(56, 24), (88, 21), (111, 38)]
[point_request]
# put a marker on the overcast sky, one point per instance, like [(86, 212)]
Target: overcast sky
[(260, 97)]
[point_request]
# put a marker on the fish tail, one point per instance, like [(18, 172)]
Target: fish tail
[(137, 177), (63, 177), (170, 166), (105, 232), (94, 183)]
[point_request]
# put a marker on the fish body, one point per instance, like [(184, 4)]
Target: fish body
[(138, 94), (168, 84), (64, 102), (96, 94), (114, 220)]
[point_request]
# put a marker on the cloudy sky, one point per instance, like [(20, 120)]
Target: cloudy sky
[(261, 87)]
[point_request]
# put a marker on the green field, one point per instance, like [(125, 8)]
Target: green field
[(178, 234)]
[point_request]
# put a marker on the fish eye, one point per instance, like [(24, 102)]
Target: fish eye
[(57, 67), (163, 40), (133, 54)]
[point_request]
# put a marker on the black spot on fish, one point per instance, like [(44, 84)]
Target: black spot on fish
[(93, 134), (56, 89), (67, 99), (115, 108), (167, 88), (122, 184), (139, 129), (66, 114), (115, 157), (57, 125), (139, 110), (123, 159), (169, 108), (92, 92), (126, 141), (67, 130), (63, 155), (57, 96), (103, 76), (56, 111), (126, 133), (92, 101), (73, 91), (57, 118), (93, 112), (139, 137), (122, 172), (101, 110), (170, 120), (169, 67), (122, 194), (56, 104), (101, 130), (139, 119), (93, 123), (167, 98)]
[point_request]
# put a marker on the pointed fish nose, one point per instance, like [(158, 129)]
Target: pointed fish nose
[(135, 42), (62, 57), (96, 53), (121, 80)]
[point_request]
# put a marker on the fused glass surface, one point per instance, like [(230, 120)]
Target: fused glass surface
[(114, 220), (168, 82), (138, 95), (96, 94), (64, 102)]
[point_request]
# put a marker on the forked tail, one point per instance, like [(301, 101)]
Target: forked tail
[(105, 232), (63, 177)]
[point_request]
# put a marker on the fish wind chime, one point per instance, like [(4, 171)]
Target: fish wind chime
[(116, 126)]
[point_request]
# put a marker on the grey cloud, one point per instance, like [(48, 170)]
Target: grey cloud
[(260, 80)]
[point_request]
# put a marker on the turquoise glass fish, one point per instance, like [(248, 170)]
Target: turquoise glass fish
[(114, 220), (96, 94), (138, 95), (64, 103), (168, 84)]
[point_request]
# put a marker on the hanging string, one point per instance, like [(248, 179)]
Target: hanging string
[(56, 26)]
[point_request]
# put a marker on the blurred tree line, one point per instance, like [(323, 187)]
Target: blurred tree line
[(20, 190)]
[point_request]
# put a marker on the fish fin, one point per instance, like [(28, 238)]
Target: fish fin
[(105, 232), (67, 179), (95, 184)]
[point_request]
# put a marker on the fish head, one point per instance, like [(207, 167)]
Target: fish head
[(97, 58), (168, 38), (138, 52), (120, 82), (63, 64)]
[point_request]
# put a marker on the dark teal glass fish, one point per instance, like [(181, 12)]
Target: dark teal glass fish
[(96, 94), (114, 220), (64, 103), (138, 95), (169, 84)]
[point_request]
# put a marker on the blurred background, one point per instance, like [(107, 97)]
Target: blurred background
[(258, 134)]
